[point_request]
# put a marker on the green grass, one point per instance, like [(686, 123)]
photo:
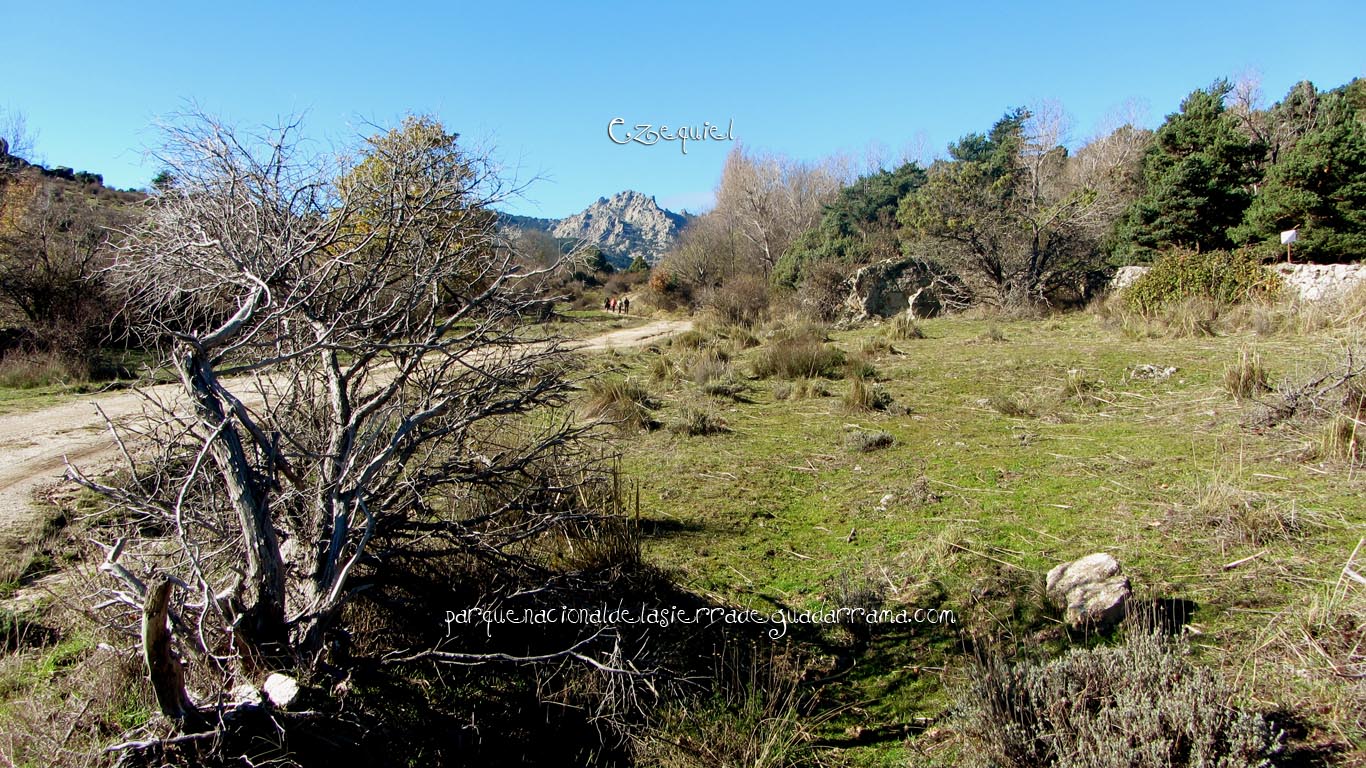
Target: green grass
[(1097, 462)]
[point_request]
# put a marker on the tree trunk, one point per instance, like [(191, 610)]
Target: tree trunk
[(264, 608), (168, 676)]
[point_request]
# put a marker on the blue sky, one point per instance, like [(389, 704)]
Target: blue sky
[(540, 81)]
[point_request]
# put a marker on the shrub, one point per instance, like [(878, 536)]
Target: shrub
[(1141, 704), (30, 370), (1224, 277), (756, 722), (710, 364), (689, 339), (742, 300), (1342, 439), (662, 368), (728, 387), (1011, 405), (993, 334), (876, 347), (1079, 388), (866, 441), (1238, 516), (859, 368)]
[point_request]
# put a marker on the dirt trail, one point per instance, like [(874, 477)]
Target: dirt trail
[(35, 446)]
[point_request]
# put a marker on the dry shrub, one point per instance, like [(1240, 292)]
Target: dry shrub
[(1081, 389), (1343, 439), (64, 702), (663, 369), (859, 367), (741, 300), (689, 339), (1334, 402), (1329, 638), (1141, 704), (1236, 516), (1351, 307), (728, 387), (867, 441), (992, 335), (709, 364), (1013, 405), (875, 347), (754, 719)]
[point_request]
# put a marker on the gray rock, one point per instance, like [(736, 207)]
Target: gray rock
[(891, 287), (1092, 591)]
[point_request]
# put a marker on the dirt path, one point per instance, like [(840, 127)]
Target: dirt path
[(35, 446)]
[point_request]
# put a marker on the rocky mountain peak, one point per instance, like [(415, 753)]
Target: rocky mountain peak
[(623, 226)]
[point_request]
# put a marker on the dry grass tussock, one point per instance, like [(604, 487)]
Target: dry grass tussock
[(625, 403)]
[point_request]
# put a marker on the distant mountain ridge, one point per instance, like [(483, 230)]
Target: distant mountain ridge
[(623, 226)]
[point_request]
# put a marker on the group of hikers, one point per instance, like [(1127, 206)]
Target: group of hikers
[(613, 304)]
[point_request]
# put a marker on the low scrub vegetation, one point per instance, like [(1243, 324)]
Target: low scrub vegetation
[(1221, 277), (1142, 703)]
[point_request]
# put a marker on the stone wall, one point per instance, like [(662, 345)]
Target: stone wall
[(1306, 282)]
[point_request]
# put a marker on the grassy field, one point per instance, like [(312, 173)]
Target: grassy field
[(946, 466), (1014, 446)]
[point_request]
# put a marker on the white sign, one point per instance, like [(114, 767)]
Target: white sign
[(1289, 236)]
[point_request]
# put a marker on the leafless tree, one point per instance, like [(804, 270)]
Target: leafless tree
[(15, 138), (345, 336), (770, 199)]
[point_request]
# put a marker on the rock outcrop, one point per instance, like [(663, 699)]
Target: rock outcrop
[(1092, 591), (893, 286), (1316, 282), (623, 226)]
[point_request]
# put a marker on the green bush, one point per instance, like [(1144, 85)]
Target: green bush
[(1225, 277)]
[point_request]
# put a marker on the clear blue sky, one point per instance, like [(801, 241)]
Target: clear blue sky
[(540, 81)]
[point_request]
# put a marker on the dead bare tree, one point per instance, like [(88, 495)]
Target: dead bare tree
[(345, 336), (770, 199)]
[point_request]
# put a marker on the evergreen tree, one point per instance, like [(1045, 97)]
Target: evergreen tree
[(1199, 174), (858, 227), (1319, 184)]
